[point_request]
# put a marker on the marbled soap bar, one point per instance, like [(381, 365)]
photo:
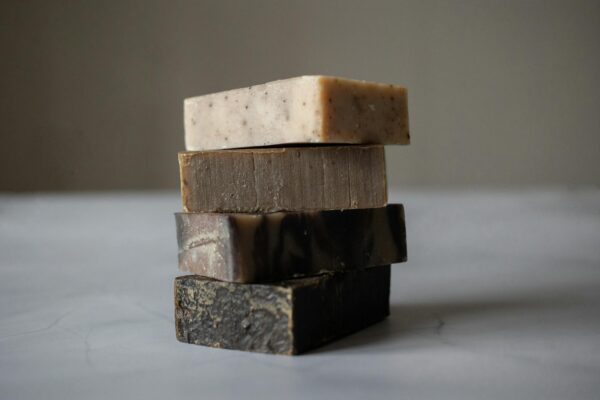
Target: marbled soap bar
[(288, 178), (287, 317), (306, 109), (277, 246)]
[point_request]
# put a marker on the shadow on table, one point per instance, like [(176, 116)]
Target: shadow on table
[(428, 320)]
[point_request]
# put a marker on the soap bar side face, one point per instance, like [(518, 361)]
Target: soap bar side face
[(288, 317), (285, 111), (361, 300), (216, 182), (205, 245), (277, 246), (291, 178), (217, 314), (375, 112)]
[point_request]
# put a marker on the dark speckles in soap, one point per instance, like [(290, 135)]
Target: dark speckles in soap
[(288, 317)]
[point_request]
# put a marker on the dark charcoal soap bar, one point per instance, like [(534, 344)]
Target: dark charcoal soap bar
[(271, 247), (283, 179), (288, 317)]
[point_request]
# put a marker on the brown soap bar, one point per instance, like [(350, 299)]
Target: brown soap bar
[(271, 247), (278, 179), (287, 317)]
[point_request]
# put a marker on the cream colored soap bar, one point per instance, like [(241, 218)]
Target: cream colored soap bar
[(306, 109)]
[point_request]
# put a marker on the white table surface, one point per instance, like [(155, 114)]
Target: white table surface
[(500, 299)]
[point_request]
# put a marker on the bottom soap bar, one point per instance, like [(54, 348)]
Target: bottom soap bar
[(287, 317)]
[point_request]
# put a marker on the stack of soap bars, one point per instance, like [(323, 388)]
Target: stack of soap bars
[(286, 233)]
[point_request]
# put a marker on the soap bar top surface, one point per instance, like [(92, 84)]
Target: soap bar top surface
[(306, 109), (271, 247), (283, 179), (287, 317)]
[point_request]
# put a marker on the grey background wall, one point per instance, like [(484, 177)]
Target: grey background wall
[(500, 92)]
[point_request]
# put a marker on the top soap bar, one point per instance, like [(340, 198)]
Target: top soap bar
[(306, 109)]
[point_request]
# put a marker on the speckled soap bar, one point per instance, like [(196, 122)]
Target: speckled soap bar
[(288, 317), (287, 178), (276, 246), (306, 109)]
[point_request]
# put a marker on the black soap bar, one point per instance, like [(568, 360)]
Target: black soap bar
[(249, 248), (288, 317)]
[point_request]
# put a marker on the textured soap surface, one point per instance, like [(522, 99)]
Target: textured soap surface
[(306, 109), (287, 317), (288, 178), (270, 247)]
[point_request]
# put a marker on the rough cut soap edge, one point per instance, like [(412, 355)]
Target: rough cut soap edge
[(285, 291), (223, 231), (324, 124)]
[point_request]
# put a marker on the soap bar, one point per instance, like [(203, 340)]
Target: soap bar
[(288, 317), (306, 109), (275, 179), (277, 246)]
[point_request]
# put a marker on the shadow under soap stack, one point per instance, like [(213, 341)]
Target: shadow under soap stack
[(286, 233)]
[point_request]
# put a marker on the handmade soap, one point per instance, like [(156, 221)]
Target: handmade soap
[(287, 317), (277, 246), (288, 178), (306, 109)]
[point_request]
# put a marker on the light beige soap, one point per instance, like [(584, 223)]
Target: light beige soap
[(306, 109)]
